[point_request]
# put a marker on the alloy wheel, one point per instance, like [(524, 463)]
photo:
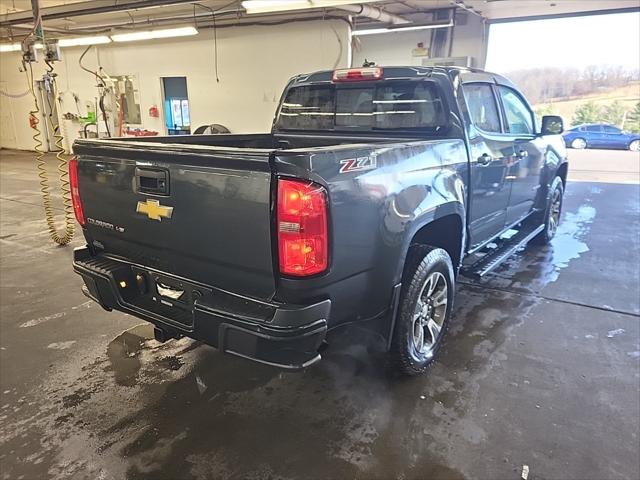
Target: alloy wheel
[(554, 212), (429, 314)]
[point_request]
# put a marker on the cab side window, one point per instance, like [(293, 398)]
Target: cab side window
[(518, 115), (482, 106)]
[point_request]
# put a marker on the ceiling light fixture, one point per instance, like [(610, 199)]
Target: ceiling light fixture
[(270, 6), (79, 41), (152, 34), (376, 31), (103, 39), (10, 47)]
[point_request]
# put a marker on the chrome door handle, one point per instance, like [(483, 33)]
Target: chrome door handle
[(485, 159)]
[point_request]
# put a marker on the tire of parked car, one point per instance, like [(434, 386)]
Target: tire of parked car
[(579, 143), (551, 213), (424, 310), (635, 146)]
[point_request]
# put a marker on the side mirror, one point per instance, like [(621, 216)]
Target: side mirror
[(552, 125)]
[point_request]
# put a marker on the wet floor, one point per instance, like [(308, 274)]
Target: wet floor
[(541, 368)]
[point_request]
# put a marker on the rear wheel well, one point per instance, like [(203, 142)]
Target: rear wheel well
[(562, 173), (445, 233)]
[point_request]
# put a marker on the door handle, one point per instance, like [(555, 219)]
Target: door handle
[(485, 159)]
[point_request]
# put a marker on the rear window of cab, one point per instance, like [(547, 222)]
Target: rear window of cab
[(385, 105)]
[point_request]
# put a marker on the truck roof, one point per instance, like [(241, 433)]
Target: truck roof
[(466, 74)]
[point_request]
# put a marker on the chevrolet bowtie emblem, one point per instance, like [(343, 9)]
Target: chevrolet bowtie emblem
[(153, 210)]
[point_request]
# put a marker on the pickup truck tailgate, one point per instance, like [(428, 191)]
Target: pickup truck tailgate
[(202, 213)]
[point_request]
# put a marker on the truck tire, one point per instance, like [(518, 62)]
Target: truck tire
[(552, 213), (426, 300)]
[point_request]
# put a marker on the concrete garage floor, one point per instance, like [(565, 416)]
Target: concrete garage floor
[(542, 368)]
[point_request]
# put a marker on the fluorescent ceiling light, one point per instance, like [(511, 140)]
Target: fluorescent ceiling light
[(376, 31), (75, 42), (268, 6), (17, 47), (10, 47), (148, 35), (261, 6)]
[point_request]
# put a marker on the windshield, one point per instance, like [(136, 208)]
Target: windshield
[(405, 105)]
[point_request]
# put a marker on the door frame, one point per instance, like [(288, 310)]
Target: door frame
[(164, 103), (497, 137), (518, 140)]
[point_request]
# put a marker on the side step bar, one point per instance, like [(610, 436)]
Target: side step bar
[(494, 258)]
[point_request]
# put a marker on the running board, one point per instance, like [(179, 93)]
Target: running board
[(492, 259)]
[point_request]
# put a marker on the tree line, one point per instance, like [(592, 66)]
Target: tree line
[(542, 85), (614, 113)]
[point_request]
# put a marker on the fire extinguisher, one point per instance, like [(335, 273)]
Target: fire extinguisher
[(153, 111)]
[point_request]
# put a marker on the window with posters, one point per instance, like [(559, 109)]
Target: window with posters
[(176, 101)]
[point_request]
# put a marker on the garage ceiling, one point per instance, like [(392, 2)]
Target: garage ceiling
[(77, 17)]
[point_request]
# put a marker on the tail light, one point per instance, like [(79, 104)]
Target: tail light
[(75, 191), (357, 74), (302, 228)]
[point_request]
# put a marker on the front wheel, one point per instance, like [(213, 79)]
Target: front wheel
[(579, 144), (552, 213), (635, 146), (425, 306)]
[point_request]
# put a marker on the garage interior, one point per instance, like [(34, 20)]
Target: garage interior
[(541, 365)]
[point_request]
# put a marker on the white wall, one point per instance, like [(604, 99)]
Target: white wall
[(471, 40), (390, 48), (395, 48), (254, 64)]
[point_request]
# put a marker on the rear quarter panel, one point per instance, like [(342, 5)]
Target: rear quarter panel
[(373, 215)]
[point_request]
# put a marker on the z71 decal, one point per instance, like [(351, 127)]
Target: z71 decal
[(358, 164)]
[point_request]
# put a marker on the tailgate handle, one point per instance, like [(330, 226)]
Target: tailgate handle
[(152, 180)]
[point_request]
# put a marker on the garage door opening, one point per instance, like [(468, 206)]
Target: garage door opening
[(585, 69)]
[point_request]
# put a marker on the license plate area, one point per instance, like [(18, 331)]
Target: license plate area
[(170, 292), (171, 298)]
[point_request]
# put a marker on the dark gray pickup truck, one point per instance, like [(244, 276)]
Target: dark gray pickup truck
[(375, 188)]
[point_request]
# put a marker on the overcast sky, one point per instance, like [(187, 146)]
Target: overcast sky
[(574, 42)]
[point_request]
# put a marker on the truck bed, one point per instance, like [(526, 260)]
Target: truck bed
[(262, 141), (219, 190)]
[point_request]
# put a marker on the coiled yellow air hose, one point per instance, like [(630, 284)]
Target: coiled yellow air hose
[(64, 237)]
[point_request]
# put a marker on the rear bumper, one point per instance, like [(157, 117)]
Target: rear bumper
[(286, 336)]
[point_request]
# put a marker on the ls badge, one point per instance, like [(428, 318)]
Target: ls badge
[(153, 210)]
